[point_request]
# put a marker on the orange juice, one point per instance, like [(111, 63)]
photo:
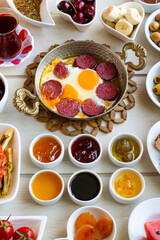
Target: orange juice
[(46, 186), (127, 184)]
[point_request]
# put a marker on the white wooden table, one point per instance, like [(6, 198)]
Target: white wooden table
[(139, 121)]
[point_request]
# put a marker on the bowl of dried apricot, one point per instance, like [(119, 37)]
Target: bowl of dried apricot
[(93, 222)]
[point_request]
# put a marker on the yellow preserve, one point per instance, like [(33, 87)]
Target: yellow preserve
[(46, 186), (127, 184)]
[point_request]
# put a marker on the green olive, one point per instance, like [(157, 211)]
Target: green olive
[(123, 146), (156, 89), (157, 79)]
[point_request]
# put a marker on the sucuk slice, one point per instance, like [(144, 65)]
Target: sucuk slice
[(85, 218), (103, 228), (68, 107), (91, 108), (152, 230), (60, 70), (107, 91), (106, 70), (51, 89), (86, 232), (85, 61)]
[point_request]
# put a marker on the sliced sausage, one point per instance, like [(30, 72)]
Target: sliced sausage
[(91, 108), (51, 89), (60, 70), (68, 107), (107, 91), (106, 70), (85, 61)]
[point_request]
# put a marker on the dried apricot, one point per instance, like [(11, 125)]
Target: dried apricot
[(103, 228), (85, 218), (86, 232)]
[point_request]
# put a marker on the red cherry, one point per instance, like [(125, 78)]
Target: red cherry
[(79, 17), (89, 11), (66, 7), (79, 6), (89, 1)]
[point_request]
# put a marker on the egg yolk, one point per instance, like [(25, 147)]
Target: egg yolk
[(70, 92), (88, 79)]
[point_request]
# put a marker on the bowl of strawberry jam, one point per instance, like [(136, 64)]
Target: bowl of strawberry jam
[(85, 151), (10, 42), (46, 150)]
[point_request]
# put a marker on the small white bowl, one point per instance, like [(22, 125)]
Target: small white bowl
[(49, 164), (97, 213), (45, 202), (149, 8), (125, 164), (153, 72), (150, 19), (4, 99), (68, 18), (36, 223), (80, 164), (16, 145), (116, 196), (44, 13), (81, 202), (117, 34)]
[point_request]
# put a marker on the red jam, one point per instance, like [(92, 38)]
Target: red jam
[(85, 149)]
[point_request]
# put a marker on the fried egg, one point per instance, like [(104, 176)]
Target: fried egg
[(80, 84)]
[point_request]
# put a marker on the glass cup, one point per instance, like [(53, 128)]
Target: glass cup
[(10, 42)]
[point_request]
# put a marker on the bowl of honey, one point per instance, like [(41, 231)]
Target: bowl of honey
[(46, 150), (46, 187), (126, 185)]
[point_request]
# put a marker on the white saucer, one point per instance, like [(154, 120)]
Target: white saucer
[(146, 211), (27, 48), (152, 151)]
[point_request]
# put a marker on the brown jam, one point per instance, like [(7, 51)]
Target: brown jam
[(46, 149), (151, 1), (85, 149)]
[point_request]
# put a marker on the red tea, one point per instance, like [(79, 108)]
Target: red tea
[(10, 43)]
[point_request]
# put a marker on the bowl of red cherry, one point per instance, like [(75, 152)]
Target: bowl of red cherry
[(80, 12)]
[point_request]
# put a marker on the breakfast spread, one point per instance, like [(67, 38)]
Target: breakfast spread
[(46, 149), (121, 19), (152, 230), (125, 149), (2, 89), (91, 183), (29, 8), (82, 12), (6, 162), (127, 184), (46, 186), (82, 86), (87, 228)]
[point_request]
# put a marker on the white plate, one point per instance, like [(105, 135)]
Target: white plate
[(28, 43), (146, 211), (44, 12), (153, 72), (150, 19), (16, 145), (152, 150), (119, 35), (36, 223)]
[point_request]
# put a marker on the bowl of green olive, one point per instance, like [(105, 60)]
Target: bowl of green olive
[(125, 150)]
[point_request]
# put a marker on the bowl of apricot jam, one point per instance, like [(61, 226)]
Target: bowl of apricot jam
[(46, 150), (85, 151)]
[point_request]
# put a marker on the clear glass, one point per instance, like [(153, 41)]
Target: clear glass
[(10, 42)]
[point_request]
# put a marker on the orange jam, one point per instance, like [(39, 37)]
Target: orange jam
[(46, 149), (127, 184), (46, 186)]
